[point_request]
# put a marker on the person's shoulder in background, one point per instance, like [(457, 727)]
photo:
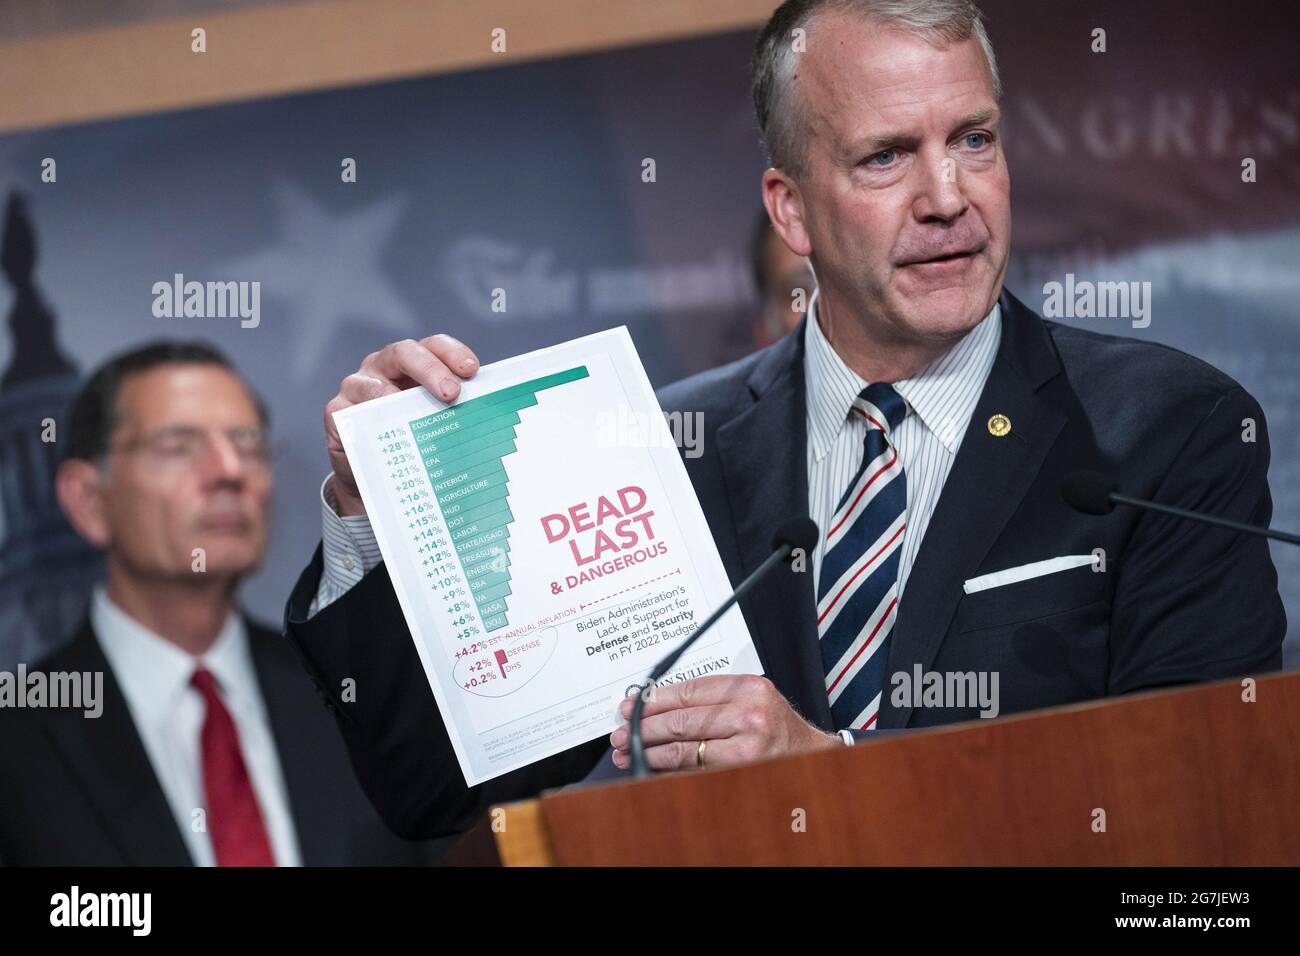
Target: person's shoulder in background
[(323, 789), (721, 393)]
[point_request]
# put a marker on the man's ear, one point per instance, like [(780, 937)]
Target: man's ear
[(79, 486), (784, 204)]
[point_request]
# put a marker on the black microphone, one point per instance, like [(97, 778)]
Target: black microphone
[(1096, 494), (796, 534)]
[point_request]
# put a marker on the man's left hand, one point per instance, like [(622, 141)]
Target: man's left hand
[(740, 717)]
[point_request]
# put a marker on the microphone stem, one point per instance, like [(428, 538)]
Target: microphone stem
[(639, 767), (1117, 498)]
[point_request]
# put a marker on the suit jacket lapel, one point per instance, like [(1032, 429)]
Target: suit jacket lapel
[(987, 482), (309, 770), (763, 456), (108, 758)]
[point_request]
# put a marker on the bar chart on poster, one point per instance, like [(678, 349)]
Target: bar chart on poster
[(462, 451), (545, 544)]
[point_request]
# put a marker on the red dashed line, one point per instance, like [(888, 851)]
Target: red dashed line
[(583, 607)]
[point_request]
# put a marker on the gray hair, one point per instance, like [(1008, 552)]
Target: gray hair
[(781, 119)]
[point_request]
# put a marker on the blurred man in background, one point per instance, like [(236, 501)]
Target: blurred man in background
[(784, 281), (209, 746)]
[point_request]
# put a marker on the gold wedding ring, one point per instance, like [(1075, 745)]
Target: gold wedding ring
[(699, 754)]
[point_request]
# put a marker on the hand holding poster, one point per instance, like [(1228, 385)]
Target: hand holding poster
[(545, 561)]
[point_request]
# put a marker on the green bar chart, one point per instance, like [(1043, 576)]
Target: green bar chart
[(461, 449)]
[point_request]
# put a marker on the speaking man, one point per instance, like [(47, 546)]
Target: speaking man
[(921, 414)]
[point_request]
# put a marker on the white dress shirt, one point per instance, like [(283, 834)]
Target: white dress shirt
[(154, 675), (941, 399)]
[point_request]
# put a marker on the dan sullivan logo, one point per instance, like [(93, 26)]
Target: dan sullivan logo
[(208, 300), (134, 910)]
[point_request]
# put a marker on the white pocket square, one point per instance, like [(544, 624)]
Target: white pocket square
[(1026, 571)]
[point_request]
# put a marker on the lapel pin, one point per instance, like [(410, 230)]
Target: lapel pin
[(999, 426)]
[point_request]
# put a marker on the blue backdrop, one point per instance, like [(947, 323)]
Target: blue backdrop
[(1125, 165)]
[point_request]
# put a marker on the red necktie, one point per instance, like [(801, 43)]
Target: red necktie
[(234, 820)]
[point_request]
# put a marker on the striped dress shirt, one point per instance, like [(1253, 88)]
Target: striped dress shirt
[(348, 550), (941, 399)]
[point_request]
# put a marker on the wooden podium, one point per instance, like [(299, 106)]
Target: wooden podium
[(1188, 777)]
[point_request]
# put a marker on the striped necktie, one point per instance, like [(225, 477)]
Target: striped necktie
[(857, 592)]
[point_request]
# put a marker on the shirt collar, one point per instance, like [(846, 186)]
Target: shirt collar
[(154, 673), (936, 393)]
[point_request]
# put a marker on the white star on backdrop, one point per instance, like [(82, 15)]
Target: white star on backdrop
[(326, 270)]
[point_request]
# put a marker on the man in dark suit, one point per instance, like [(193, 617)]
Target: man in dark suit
[(922, 415), (196, 739)]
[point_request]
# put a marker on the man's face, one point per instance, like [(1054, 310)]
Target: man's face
[(186, 469), (906, 206)]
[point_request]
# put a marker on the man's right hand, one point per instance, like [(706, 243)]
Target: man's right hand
[(438, 363)]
